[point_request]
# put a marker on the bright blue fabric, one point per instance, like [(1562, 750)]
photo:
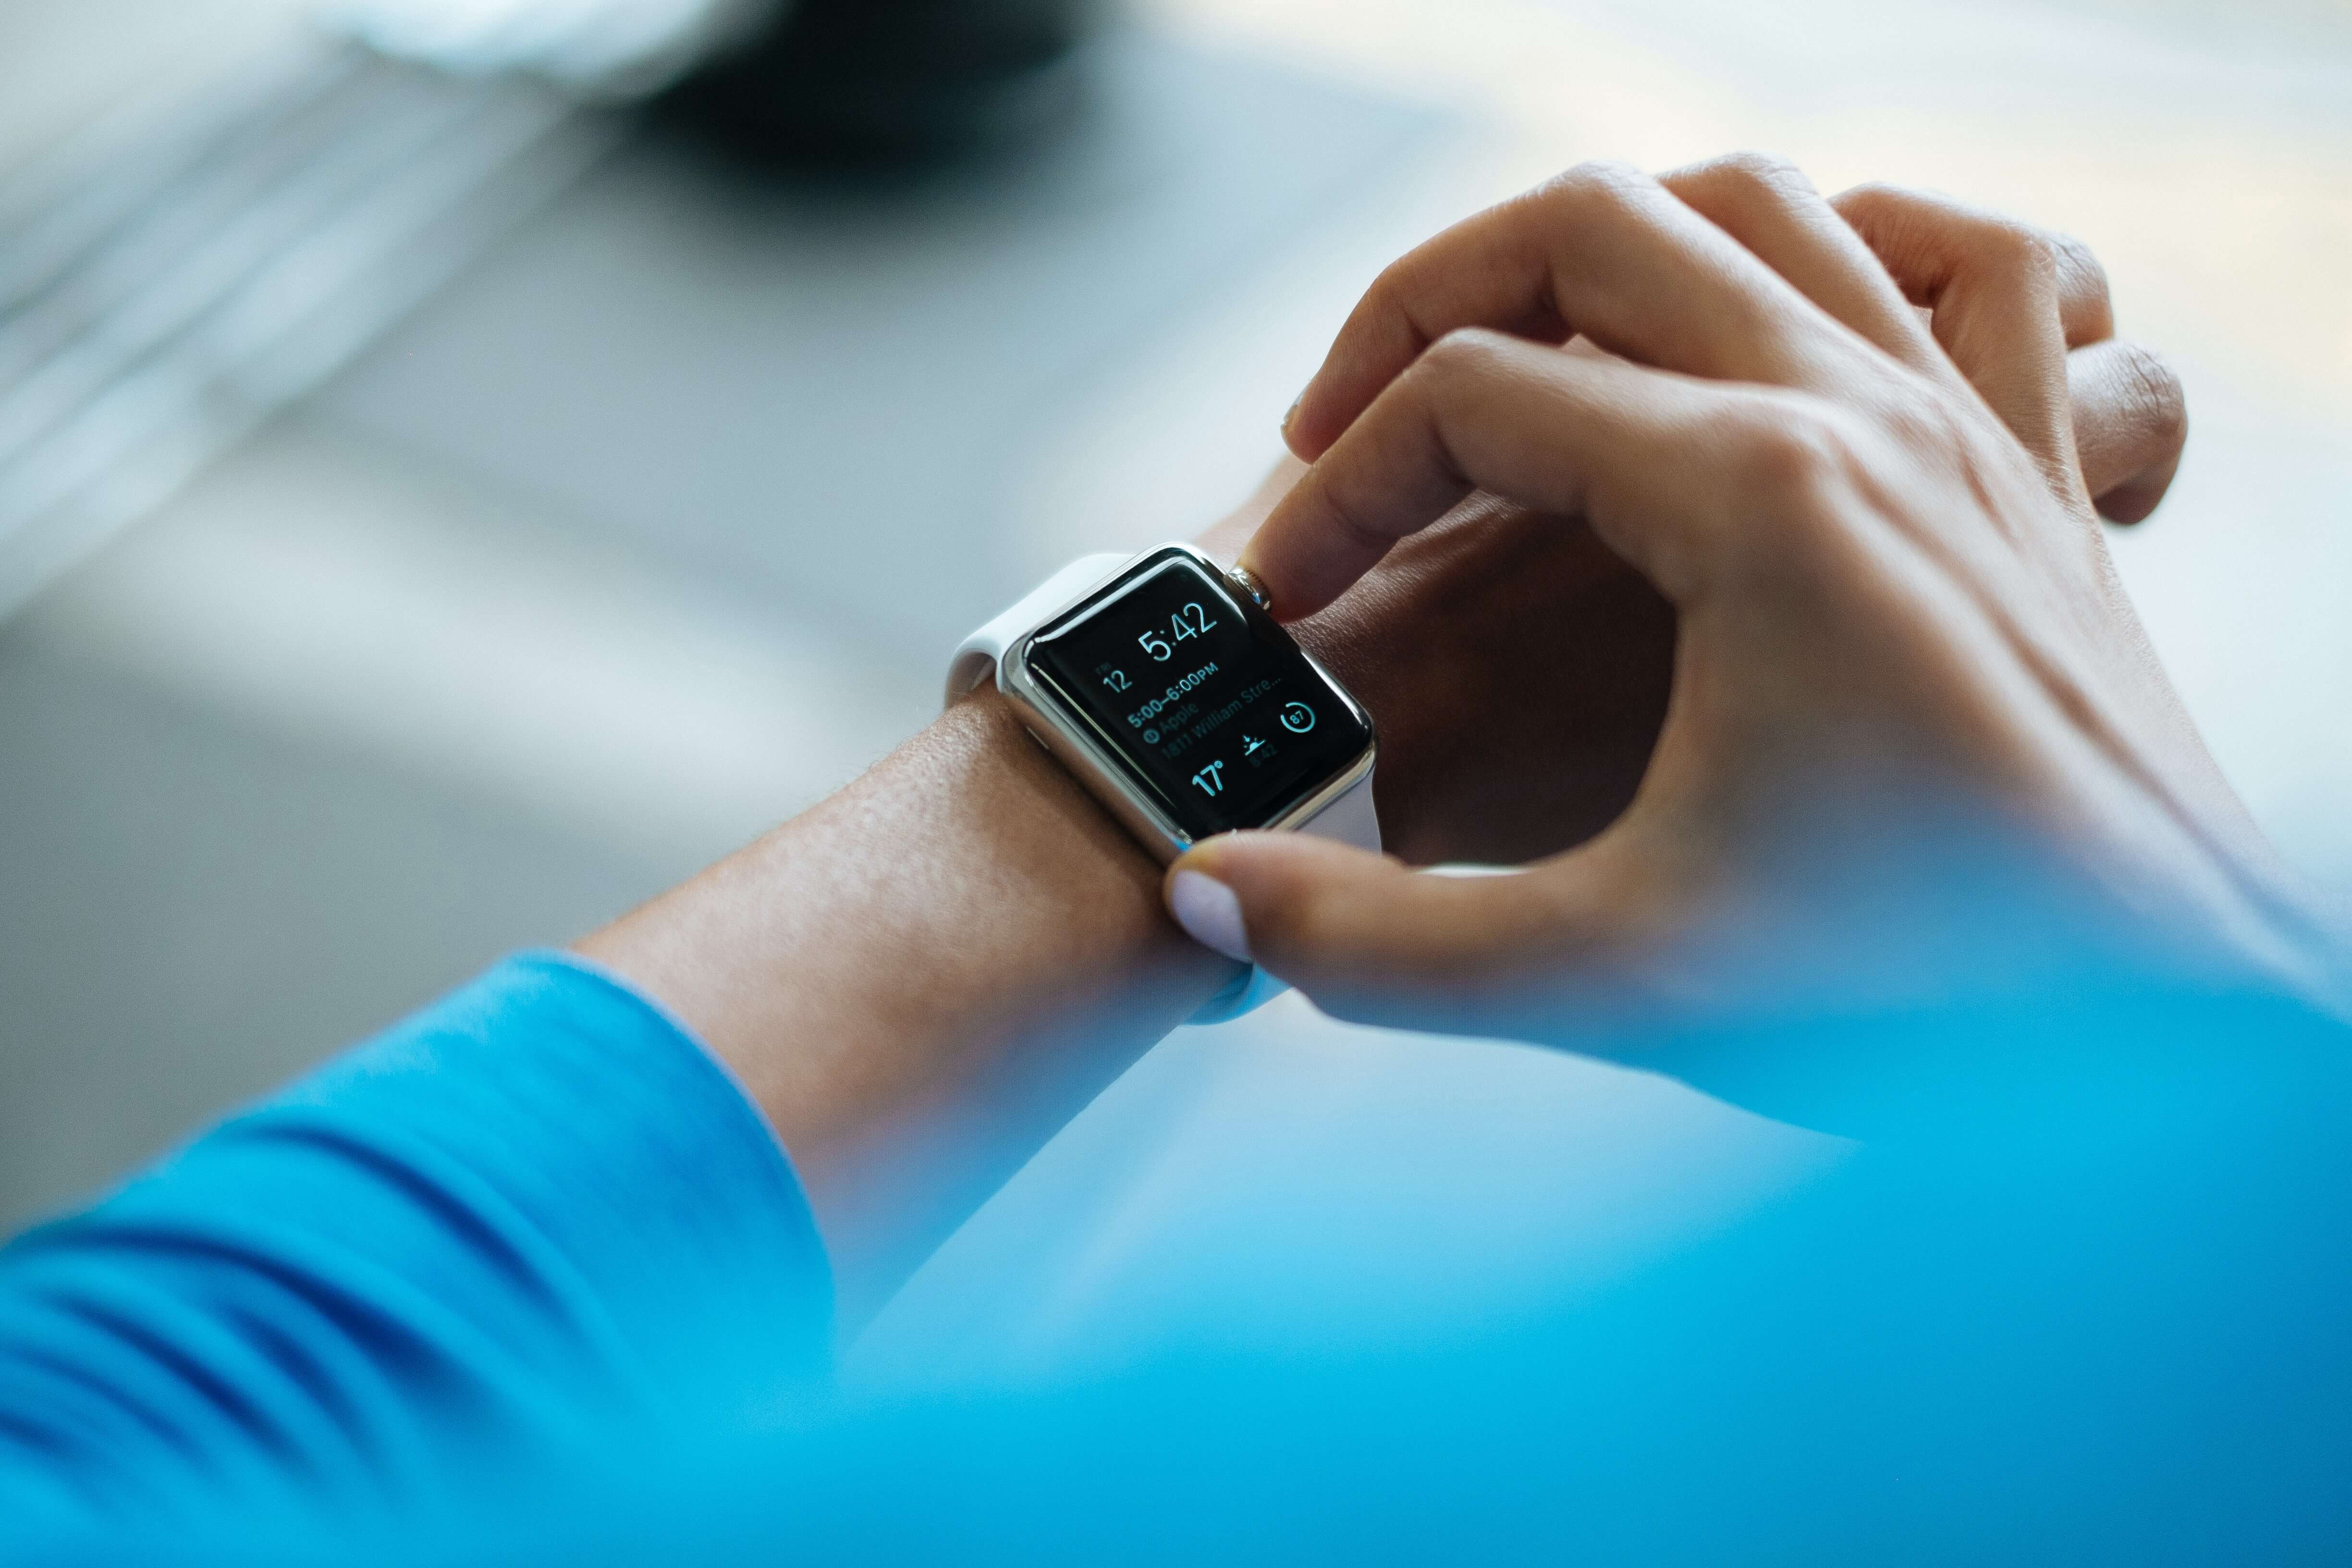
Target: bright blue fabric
[(527, 1280), (523, 1216)]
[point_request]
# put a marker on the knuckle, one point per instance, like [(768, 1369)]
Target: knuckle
[(1454, 377), (1392, 290), (2152, 394), (2022, 249), (1886, 213), (1874, 195), (2078, 265), (1742, 191), (1950, 436), (1792, 456), (1464, 351), (1790, 448), (1351, 515), (1758, 176), (1594, 186), (1930, 421)]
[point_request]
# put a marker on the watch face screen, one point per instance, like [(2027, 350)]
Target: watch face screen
[(1212, 708)]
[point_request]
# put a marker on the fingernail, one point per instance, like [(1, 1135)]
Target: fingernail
[(1209, 914), (1292, 412)]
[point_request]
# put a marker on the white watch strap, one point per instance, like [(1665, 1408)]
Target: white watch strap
[(1350, 819), (976, 659)]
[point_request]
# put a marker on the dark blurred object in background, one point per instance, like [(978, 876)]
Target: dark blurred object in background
[(160, 302), (882, 81), (861, 81)]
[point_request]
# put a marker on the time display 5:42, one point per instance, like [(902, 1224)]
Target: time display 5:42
[(1189, 622)]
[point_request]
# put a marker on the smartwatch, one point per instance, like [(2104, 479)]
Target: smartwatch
[(1162, 683)]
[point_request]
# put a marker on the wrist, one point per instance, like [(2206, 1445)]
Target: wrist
[(921, 979), (1067, 904)]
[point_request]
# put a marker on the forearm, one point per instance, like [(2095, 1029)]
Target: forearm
[(920, 980)]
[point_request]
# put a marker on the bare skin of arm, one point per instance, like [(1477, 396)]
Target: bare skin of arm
[(920, 980)]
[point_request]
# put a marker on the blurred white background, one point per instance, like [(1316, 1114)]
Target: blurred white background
[(657, 521)]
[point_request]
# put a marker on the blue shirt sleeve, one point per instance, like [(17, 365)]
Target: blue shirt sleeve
[(527, 1212)]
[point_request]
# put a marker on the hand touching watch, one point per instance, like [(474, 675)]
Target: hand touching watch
[(1897, 630), (920, 979)]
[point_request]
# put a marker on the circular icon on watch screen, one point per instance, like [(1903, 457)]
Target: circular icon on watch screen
[(1297, 718)]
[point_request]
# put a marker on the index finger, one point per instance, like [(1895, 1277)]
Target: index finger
[(1560, 434), (1602, 251)]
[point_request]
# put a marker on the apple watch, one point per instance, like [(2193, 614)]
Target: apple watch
[(1161, 682)]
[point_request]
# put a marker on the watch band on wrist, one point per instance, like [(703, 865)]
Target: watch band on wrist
[(976, 658), (1082, 732)]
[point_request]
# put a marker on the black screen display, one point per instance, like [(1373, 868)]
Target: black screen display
[(1214, 712)]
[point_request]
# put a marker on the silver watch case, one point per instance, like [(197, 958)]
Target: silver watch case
[(1077, 744)]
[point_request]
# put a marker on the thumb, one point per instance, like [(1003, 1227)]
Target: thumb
[(1369, 940)]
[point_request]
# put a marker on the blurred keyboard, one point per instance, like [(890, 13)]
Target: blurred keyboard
[(157, 305)]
